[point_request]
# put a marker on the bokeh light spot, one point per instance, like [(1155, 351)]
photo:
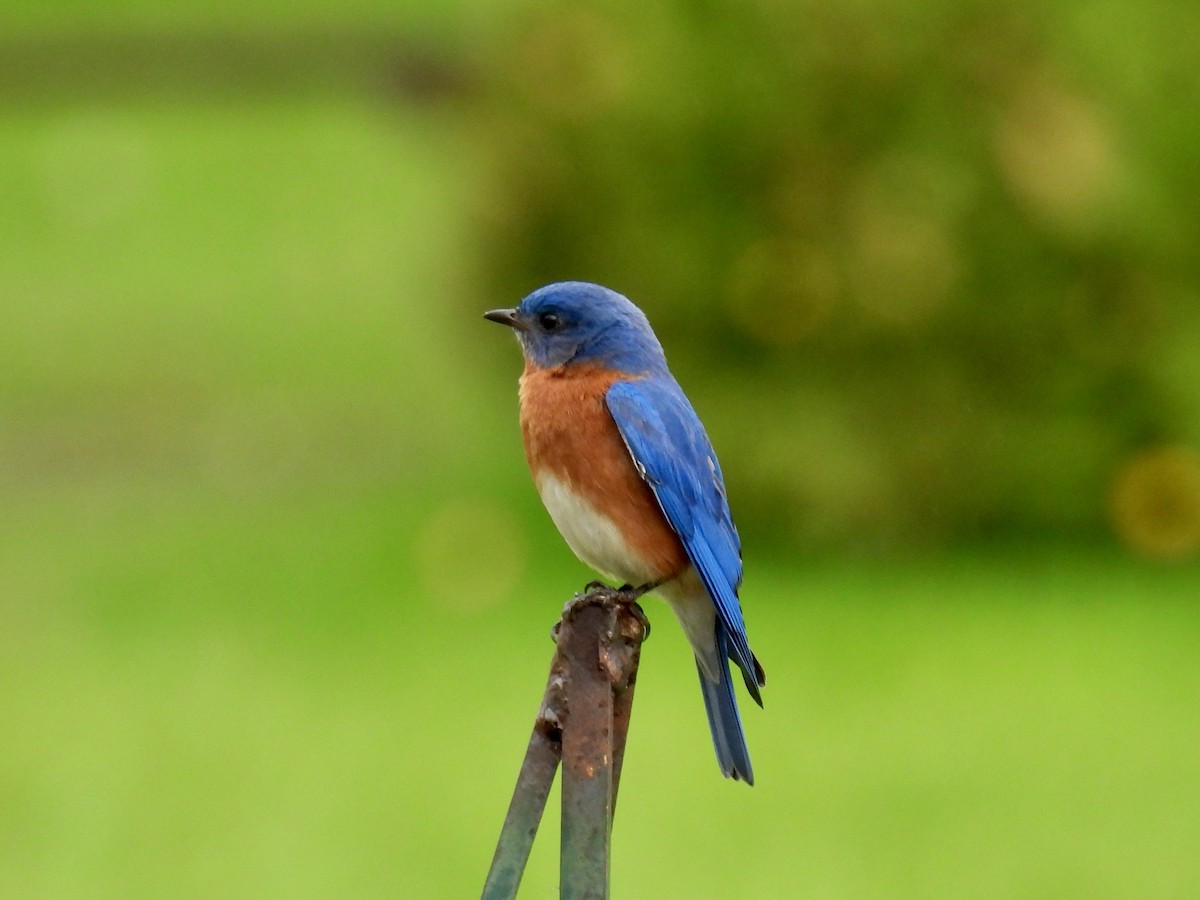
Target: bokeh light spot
[(905, 267), (1155, 504), (1056, 153), (780, 292), (903, 261)]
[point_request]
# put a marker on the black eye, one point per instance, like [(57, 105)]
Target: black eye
[(549, 322)]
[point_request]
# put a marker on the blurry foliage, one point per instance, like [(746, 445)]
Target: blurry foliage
[(265, 535), (932, 261)]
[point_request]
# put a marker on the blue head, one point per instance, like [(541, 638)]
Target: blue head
[(575, 322)]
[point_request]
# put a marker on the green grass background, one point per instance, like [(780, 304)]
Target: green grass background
[(275, 592)]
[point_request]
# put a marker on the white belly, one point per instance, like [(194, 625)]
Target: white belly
[(592, 536), (596, 540)]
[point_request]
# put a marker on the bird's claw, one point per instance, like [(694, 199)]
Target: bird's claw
[(593, 592), (636, 611)]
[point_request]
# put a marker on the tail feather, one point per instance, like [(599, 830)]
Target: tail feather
[(729, 739)]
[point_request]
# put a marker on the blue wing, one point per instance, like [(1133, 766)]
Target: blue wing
[(674, 456)]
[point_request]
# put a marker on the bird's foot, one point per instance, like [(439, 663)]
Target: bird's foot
[(631, 594), (638, 614), (628, 596), (599, 593)]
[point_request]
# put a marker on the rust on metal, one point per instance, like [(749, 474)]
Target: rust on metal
[(533, 788), (587, 750), (582, 722)]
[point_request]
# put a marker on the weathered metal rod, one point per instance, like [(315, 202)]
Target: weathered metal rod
[(583, 722), (621, 657), (587, 757), (529, 797)]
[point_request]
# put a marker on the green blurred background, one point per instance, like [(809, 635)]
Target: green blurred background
[(274, 586)]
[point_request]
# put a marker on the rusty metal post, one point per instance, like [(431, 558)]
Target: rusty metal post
[(583, 721), (620, 656), (587, 758)]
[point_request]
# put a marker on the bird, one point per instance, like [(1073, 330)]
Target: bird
[(629, 477)]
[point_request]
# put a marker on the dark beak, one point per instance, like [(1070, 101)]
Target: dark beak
[(505, 317)]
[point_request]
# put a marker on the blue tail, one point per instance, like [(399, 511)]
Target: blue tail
[(723, 720)]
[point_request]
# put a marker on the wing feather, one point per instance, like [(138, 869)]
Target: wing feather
[(673, 454)]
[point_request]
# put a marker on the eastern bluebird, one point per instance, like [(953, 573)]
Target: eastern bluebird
[(629, 477)]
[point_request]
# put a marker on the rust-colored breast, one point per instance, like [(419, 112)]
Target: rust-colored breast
[(568, 430)]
